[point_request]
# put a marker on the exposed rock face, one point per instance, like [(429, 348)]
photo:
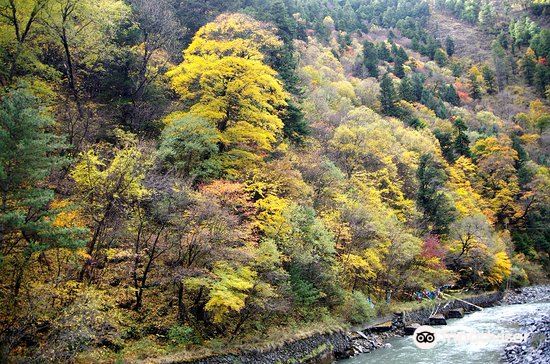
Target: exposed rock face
[(535, 347)]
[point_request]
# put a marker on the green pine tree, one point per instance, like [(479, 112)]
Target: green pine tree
[(370, 58), (285, 62), (502, 65), (449, 46), (406, 90), (528, 66), (383, 52), (438, 210), (462, 142), (486, 17), (28, 155), (440, 57), (448, 93), (418, 85), (541, 78), (398, 68), (295, 125), (446, 144), (489, 79), (388, 96)]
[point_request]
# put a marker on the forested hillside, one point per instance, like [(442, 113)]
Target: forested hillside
[(183, 177)]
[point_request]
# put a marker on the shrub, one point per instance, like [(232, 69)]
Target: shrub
[(357, 308), (518, 277), (534, 272), (141, 349), (183, 335)]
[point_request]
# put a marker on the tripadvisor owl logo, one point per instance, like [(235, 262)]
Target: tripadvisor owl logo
[(424, 337)]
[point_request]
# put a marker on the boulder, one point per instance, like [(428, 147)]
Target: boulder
[(383, 327), (456, 313), (411, 328), (437, 319)]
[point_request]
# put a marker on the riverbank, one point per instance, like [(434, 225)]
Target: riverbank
[(370, 338), (321, 348), (535, 346), (338, 343), (527, 295)]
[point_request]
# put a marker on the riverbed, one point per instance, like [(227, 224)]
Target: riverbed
[(479, 337)]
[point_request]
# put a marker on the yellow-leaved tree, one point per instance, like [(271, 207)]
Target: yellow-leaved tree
[(106, 188), (230, 290), (496, 160), (500, 270), (235, 35), (360, 268), (224, 80), (466, 188)]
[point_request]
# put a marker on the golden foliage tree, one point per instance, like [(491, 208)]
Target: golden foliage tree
[(105, 188), (224, 80)]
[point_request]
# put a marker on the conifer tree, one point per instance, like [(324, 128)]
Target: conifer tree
[(502, 65), (285, 63), (383, 52), (370, 58), (461, 143), (448, 93), (406, 90), (489, 79), (418, 85), (528, 66), (449, 46), (446, 143), (398, 69), (438, 210), (28, 155), (402, 53), (486, 17), (388, 96), (440, 57), (541, 79), (475, 82)]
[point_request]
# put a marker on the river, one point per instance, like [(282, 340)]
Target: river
[(479, 337)]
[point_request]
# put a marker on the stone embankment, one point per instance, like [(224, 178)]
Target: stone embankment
[(319, 348), (327, 347)]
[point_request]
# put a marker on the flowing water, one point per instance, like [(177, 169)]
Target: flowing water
[(479, 337)]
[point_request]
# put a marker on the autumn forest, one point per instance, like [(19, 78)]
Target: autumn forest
[(179, 177)]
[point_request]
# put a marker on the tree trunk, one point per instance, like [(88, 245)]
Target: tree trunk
[(183, 316)]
